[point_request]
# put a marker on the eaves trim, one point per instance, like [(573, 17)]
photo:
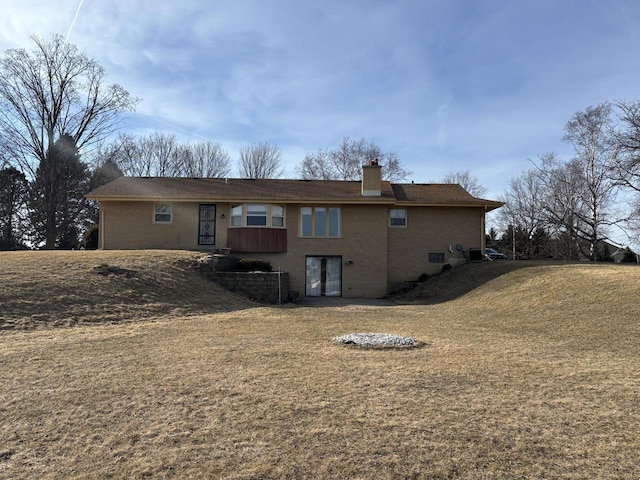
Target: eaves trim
[(314, 201)]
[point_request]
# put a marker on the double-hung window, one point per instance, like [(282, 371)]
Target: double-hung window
[(398, 217), (320, 221), (162, 213), (277, 216), (257, 215), (236, 216)]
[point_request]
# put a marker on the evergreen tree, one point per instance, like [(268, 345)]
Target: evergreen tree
[(57, 195), (629, 256), (13, 197)]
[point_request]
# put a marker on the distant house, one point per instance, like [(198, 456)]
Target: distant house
[(335, 238), (624, 254), (616, 253)]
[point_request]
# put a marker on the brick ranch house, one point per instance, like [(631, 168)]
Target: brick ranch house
[(335, 238)]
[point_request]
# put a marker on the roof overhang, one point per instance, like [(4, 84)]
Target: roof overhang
[(314, 201), (487, 206)]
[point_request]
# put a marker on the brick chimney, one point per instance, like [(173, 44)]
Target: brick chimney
[(371, 179)]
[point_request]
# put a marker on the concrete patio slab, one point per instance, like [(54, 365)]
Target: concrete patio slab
[(343, 302)]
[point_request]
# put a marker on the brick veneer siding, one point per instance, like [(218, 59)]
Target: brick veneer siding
[(363, 242), (374, 255), (129, 226), (432, 230)]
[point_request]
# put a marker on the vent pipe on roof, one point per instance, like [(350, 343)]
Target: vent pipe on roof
[(372, 179)]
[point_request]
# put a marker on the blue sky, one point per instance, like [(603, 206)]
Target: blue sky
[(447, 85)]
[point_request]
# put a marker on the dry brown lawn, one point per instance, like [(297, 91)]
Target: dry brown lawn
[(44, 289), (530, 371)]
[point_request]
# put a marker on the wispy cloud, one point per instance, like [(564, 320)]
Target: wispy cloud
[(441, 117), (477, 86), (73, 22)]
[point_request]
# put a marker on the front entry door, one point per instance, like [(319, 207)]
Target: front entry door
[(324, 276), (207, 225)]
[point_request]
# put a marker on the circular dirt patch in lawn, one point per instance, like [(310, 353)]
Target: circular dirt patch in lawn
[(377, 340)]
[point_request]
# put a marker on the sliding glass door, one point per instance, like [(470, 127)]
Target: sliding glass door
[(324, 276)]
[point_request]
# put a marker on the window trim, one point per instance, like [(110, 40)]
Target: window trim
[(156, 213), (327, 219), (391, 224)]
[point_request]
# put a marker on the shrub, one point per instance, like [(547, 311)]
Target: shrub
[(253, 265), (423, 278), (446, 266), (11, 244), (629, 256), (90, 238), (7, 244)]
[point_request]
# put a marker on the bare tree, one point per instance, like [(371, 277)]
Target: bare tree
[(55, 90), (161, 155), (392, 169), (206, 160), (124, 152), (467, 181), (53, 93), (562, 205), (345, 162), (524, 212), (315, 166), (591, 134), (628, 165), (4, 155), (349, 157), (162, 152), (260, 160), (627, 170), (628, 139)]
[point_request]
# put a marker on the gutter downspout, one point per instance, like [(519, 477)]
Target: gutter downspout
[(101, 228)]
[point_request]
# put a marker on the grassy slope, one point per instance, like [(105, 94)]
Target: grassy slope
[(528, 372), (41, 289)]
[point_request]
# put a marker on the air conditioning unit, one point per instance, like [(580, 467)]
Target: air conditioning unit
[(475, 254)]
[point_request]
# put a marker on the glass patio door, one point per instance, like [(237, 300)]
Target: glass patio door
[(324, 276)]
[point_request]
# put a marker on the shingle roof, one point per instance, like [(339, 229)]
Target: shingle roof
[(430, 193), (285, 191)]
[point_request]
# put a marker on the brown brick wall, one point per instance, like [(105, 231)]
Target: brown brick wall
[(371, 180), (432, 230), (363, 242), (129, 225), (374, 255)]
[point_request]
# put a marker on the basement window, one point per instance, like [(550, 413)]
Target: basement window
[(162, 213), (436, 258)]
